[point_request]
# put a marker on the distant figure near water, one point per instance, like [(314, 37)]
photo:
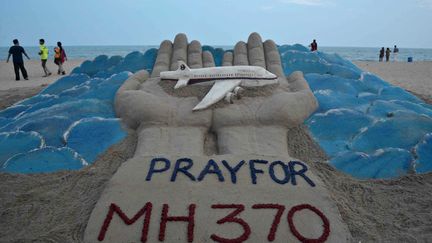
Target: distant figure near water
[(60, 58), (395, 53), (44, 56), (381, 54), (17, 51), (314, 46), (388, 54)]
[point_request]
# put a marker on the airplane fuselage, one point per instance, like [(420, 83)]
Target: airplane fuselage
[(188, 76), (227, 80)]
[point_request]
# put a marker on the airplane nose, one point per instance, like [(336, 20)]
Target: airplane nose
[(271, 75)]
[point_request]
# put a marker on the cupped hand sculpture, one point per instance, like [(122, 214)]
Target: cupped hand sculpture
[(166, 124), (259, 125)]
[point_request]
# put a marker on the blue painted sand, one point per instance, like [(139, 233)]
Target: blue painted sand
[(92, 136), (47, 159), (368, 127), (72, 121)]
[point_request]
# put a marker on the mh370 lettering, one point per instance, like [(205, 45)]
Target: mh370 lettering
[(288, 172)]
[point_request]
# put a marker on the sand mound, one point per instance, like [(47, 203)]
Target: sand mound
[(55, 207), (11, 96)]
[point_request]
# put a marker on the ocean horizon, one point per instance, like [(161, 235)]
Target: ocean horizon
[(350, 53)]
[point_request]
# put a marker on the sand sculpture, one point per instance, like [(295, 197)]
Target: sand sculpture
[(217, 175)]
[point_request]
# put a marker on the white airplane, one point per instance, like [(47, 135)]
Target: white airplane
[(228, 80)]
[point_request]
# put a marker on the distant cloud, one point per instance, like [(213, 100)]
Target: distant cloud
[(267, 8), (305, 2), (425, 3), (274, 5)]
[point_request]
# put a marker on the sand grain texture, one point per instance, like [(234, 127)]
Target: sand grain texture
[(415, 77), (35, 72), (56, 207)]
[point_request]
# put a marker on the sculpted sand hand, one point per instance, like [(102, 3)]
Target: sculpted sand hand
[(253, 125), (165, 124), (259, 125)]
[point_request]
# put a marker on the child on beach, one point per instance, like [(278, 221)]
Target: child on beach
[(60, 58), (381, 54), (44, 56), (387, 54), (17, 51)]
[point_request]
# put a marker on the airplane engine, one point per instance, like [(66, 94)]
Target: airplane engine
[(238, 92), (229, 97)]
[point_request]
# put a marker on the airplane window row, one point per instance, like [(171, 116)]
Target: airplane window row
[(224, 75)]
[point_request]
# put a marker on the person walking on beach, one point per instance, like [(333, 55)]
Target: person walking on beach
[(60, 58), (395, 53), (314, 45), (387, 54), (17, 51), (44, 56), (381, 54)]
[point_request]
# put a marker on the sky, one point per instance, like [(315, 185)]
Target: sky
[(357, 23)]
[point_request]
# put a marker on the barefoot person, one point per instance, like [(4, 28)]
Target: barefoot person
[(60, 58), (44, 56), (17, 51)]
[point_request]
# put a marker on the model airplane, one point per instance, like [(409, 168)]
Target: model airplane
[(228, 80)]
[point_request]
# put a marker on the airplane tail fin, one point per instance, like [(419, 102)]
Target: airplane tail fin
[(184, 80), (182, 66)]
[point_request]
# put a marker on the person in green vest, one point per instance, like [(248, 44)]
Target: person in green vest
[(44, 56)]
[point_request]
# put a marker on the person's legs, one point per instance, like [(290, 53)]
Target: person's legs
[(23, 71), (57, 62), (16, 69), (43, 66), (61, 69), (47, 72)]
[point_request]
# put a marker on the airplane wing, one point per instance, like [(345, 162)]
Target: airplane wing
[(217, 92)]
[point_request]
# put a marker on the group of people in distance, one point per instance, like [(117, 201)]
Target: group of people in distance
[(387, 54), (17, 52)]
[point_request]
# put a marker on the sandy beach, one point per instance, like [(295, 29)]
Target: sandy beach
[(58, 205), (415, 77), (34, 70), (217, 127)]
